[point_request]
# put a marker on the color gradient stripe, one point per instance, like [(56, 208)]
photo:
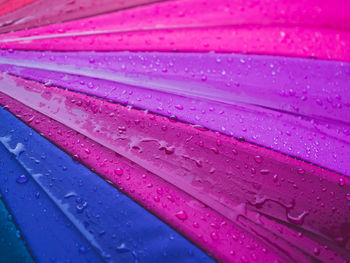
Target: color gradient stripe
[(245, 155)]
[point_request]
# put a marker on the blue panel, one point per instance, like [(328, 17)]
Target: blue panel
[(12, 246), (69, 214)]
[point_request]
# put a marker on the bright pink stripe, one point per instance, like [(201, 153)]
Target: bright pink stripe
[(295, 28), (265, 40), (193, 13), (235, 179)]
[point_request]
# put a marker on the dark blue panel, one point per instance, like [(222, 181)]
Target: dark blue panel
[(12, 246), (66, 212)]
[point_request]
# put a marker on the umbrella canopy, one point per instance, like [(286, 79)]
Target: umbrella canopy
[(130, 128)]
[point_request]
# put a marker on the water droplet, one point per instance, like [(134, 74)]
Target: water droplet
[(214, 150), (181, 215), (160, 191), (119, 171), (264, 171), (258, 159), (80, 207), (82, 250), (244, 259), (347, 196), (341, 182), (213, 225), (122, 249), (214, 236), (301, 171), (179, 107), (22, 179), (299, 220), (275, 178)]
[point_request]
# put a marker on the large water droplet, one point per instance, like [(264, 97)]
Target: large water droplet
[(22, 179), (119, 171), (181, 215), (301, 171), (214, 236), (258, 159)]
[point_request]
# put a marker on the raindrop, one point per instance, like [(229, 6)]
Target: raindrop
[(22, 179), (179, 107), (119, 171), (214, 236), (122, 249), (258, 159), (264, 171), (348, 196), (82, 250), (301, 171), (181, 215)]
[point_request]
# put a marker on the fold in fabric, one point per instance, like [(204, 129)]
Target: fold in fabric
[(35, 13), (12, 247), (238, 95), (293, 28), (257, 190), (108, 222)]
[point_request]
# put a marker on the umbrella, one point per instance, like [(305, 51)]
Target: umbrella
[(185, 131)]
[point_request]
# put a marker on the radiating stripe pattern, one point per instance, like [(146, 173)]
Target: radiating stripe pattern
[(177, 131)]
